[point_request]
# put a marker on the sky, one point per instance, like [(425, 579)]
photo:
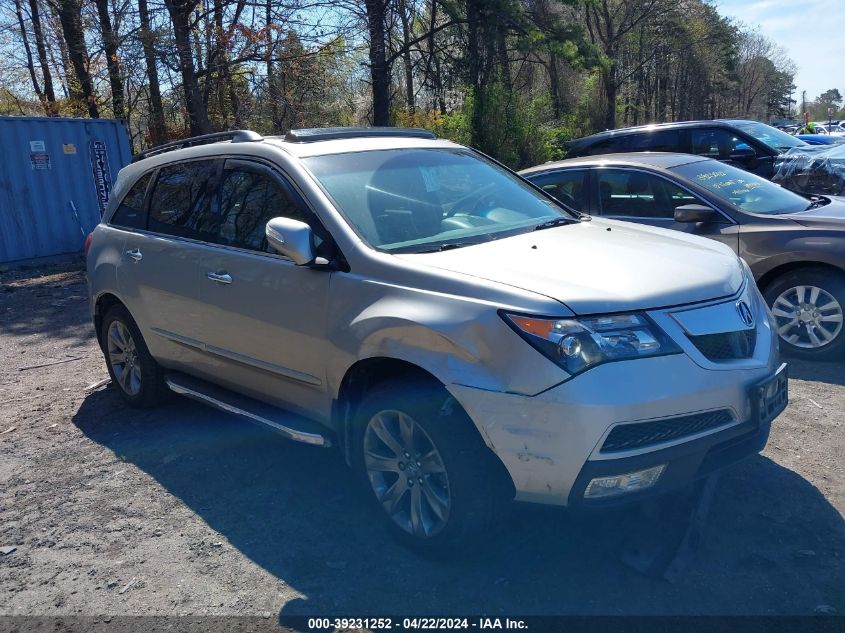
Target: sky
[(811, 32)]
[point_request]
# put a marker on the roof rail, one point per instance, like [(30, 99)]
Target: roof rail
[(236, 136), (313, 134)]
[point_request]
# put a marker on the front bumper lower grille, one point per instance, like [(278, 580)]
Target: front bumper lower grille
[(727, 345), (642, 434)]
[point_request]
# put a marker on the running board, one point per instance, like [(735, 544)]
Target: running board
[(253, 410)]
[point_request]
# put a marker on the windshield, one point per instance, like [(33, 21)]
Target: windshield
[(747, 191), (417, 200), (781, 141)]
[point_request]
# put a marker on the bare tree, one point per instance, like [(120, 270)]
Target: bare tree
[(110, 44), (70, 14), (180, 15), (157, 131)]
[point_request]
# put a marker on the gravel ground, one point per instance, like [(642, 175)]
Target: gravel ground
[(184, 510)]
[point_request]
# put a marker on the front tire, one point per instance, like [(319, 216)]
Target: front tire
[(427, 470), (138, 377), (808, 305)]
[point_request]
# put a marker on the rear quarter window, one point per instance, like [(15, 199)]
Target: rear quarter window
[(131, 212)]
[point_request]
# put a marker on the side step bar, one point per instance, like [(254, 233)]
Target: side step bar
[(287, 424)]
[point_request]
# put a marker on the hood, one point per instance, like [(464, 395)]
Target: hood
[(831, 215), (601, 266)]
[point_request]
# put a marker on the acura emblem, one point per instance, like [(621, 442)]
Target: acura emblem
[(745, 313)]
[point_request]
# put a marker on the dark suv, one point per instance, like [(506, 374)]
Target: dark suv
[(750, 145)]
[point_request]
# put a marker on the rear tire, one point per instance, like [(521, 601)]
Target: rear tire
[(138, 377), (808, 305), (449, 490)]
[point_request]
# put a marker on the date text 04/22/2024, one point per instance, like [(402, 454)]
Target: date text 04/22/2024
[(422, 623)]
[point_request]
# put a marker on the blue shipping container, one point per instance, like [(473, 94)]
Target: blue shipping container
[(56, 176)]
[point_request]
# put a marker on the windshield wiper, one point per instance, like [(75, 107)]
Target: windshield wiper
[(448, 246), (550, 224)]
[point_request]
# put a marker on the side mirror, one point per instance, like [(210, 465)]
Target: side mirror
[(291, 238), (688, 213), (743, 155)]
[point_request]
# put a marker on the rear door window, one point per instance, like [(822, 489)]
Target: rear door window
[(607, 146), (180, 203), (657, 141), (566, 185), (131, 213)]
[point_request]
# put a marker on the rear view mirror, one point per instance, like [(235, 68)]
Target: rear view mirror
[(743, 155), (291, 238), (688, 213)]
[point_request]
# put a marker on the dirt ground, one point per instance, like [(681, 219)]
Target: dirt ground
[(184, 510)]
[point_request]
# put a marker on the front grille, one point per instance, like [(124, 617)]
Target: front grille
[(629, 436), (727, 345)]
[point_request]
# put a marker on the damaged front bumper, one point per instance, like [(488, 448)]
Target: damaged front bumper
[(554, 443)]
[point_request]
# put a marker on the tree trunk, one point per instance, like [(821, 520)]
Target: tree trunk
[(112, 61), (379, 72), (29, 63), (610, 92), (554, 87), (225, 86), (70, 14), (272, 81), (474, 73), (66, 77), (49, 93), (158, 133), (180, 15), (406, 56)]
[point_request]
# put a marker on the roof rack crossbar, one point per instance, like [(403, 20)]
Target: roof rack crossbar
[(236, 136), (311, 135)]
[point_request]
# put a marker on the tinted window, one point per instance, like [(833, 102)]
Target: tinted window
[(248, 200), (657, 141), (715, 143), (607, 146), (181, 200), (130, 213), (566, 185), (636, 194)]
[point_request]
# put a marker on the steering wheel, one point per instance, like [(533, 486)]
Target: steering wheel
[(481, 200)]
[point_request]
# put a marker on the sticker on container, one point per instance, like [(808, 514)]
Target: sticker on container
[(69, 148), (102, 173), (37, 146), (39, 160)]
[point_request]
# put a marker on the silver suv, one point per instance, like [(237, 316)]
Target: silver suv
[(459, 335)]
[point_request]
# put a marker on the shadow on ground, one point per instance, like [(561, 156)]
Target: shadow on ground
[(831, 373), (773, 544), (50, 306)]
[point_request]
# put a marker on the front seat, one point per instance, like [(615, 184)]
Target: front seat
[(402, 207)]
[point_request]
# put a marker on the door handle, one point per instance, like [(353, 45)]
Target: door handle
[(135, 255), (220, 278)]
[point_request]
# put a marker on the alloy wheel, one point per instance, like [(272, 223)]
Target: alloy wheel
[(808, 317), (123, 357), (407, 473)]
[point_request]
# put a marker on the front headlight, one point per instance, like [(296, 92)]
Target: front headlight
[(577, 344)]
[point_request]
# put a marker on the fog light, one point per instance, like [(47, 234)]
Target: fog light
[(620, 484)]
